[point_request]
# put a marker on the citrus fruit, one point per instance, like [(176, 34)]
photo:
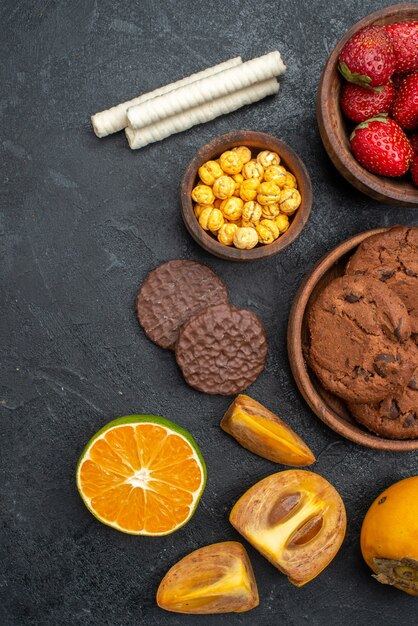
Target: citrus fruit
[(389, 536), (142, 475)]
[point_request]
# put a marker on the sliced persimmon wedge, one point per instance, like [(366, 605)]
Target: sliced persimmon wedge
[(214, 579), (264, 433), (296, 519), (142, 475)]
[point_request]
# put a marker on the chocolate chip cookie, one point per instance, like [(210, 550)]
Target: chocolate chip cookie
[(171, 294), (358, 328), (392, 258), (222, 350), (395, 417)]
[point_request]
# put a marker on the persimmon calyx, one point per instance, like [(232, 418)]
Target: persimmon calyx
[(399, 573)]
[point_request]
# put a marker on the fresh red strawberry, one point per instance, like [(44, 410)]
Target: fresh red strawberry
[(381, 146), (359, 103), (414, 171), (405, 107), (396, 80), (413, 140), (404, 38), (367, 58)]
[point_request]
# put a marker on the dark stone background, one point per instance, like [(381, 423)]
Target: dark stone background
[(83, 221)]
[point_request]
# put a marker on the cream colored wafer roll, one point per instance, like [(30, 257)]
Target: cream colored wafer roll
[(198, 115), (114, 119), (206, 89)]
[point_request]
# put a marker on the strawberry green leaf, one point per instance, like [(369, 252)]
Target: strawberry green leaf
[(358, 79), (382, 117)]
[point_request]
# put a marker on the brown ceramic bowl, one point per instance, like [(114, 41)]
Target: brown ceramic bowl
[(256, 142), (335, 129), (329, 408)]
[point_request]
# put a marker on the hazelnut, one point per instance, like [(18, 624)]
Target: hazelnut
[(251, 213), (275, 174), (253, 169), (224, 187), (270, 211), (244, 153), (268, 193), (198, 208), (282, 222), (211, 219), (290, 181), (267, 231), (202, 194), (226, 234), (230, 162), (267, 157), (209, 172), (245, 238), (238, 178), (232, 208), (248, 189), (290, 200)]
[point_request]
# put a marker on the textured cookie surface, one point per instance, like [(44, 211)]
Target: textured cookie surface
[(392, 258), (171, 294), (222, 350), (395, 417), (358, 329)]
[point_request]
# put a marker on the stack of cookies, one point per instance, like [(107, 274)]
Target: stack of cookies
[(364, 334), (183, 306)]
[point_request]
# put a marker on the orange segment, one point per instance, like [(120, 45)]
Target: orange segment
[(106, 458), (132, 515), (149, 439), (122, 441), (96, 479), (142, 475), (184, 474)]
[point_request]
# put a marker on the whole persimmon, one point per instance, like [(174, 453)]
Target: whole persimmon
[(389, 536)]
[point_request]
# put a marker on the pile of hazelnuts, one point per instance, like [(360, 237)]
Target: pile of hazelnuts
[(244, 201)]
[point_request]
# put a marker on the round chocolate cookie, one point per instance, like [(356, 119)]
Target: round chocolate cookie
[(395, 417), (171, 294), (358, 327), (392, 258), (222, 350)]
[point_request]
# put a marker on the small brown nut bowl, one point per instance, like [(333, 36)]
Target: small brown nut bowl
[(335, 129), (329, 408), (256, 142)]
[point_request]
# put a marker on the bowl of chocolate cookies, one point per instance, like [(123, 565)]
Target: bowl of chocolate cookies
[(353, 338)]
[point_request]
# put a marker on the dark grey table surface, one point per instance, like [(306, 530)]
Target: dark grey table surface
[(83, 220)]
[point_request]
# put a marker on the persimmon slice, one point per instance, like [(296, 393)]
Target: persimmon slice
[(296, 519), (214, 579), (142, 475), (264, 433)]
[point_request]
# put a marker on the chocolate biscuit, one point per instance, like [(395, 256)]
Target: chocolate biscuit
[(358, 328), (222, 350), (392, 258), (395, 417), (171, 294)]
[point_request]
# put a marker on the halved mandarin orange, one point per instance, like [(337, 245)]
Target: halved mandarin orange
[(142, 475)]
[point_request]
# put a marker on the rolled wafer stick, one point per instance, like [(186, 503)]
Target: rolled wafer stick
[(114, 119), (204, 113), (205, 90)]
